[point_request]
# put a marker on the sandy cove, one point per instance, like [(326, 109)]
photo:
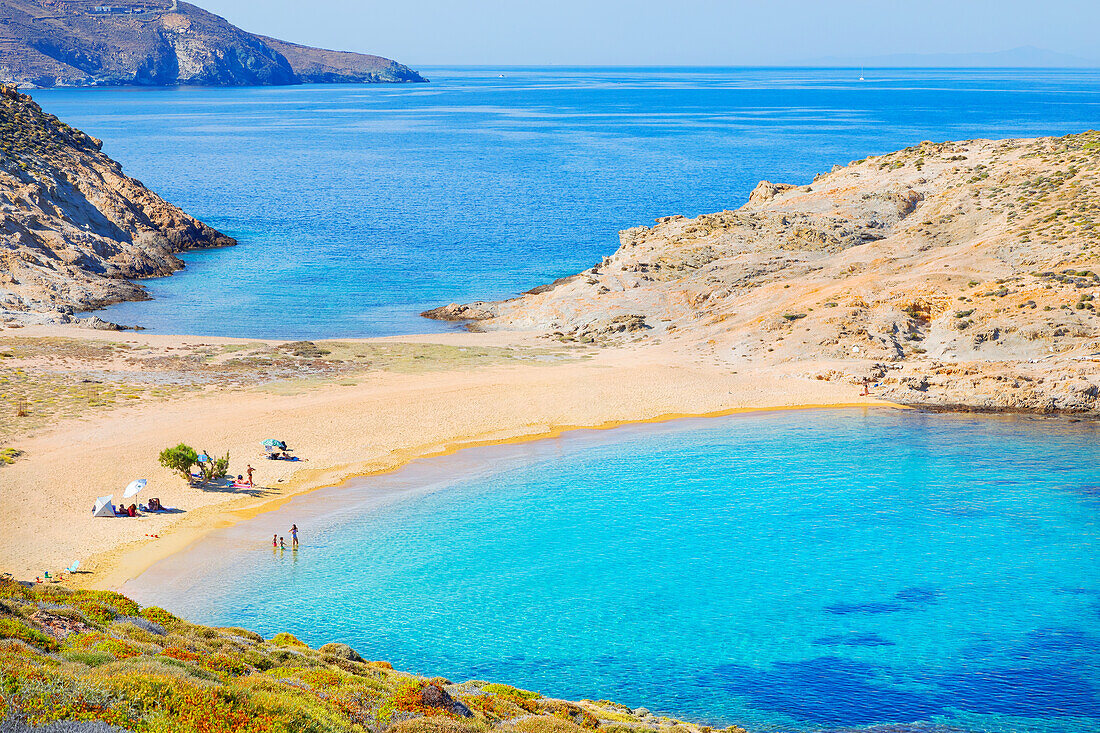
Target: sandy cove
[(341, 431)]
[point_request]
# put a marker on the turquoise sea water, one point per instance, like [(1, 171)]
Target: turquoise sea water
[(788, 571), (359, 206)]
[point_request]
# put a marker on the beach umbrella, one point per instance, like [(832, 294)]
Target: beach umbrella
[(203, 458), (133, 488), (271, 442)]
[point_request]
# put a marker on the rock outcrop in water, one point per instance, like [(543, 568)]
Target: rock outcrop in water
[(960, 274), (74, 229), (49, 43)]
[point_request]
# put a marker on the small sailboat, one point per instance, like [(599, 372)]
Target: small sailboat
[(861, 73)]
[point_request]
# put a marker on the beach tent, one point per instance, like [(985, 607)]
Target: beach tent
[(133, 488), (103, 507)]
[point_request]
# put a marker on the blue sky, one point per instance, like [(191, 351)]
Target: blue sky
[(671, 32)]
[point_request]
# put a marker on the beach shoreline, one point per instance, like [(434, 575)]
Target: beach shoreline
[(130, 565), (345, 428)]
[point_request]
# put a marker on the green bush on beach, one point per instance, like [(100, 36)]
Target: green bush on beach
[(98, 656), (182, 457), (179, 459)]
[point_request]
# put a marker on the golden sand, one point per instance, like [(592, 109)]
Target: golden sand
[(340, 430)]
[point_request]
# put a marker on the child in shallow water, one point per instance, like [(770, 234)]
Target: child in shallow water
[(275, 540), (282, 545)]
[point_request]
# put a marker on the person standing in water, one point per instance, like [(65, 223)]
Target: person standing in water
[(294, 536), (275, 540)]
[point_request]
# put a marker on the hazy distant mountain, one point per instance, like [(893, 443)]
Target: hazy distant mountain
[(1024, 56), (50, 43)]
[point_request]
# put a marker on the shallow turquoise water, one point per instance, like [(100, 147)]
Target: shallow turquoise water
[(790, 571), (358, 206)]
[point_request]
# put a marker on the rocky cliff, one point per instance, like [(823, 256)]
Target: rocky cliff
[(74, 229), (50, 43), (949, 274)]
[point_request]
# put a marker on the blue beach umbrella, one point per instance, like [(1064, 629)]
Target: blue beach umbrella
[(273, 442), (203, 458)]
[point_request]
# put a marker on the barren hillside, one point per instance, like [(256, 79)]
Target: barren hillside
[(73, 227), (960, 273)]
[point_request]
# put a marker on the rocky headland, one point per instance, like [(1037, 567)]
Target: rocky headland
[(74, 229), (950, 275), (48, 43)]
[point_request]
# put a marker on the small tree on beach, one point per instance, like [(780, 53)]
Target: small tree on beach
[(214, 468), (180, 458)]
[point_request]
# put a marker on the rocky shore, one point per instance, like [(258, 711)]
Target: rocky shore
[(75, 231), (953, 275)]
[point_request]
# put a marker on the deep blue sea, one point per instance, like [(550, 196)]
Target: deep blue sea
[(359, 206), (789, 571)]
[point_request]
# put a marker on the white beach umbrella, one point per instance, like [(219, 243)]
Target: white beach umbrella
[(133, 488)]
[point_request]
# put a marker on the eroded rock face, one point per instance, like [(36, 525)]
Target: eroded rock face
[(980, 254), (74, 229)]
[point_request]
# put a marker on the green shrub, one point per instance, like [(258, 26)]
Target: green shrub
[(285, 639), (161, 617), (179, 459), (11, 628), (88, 658), (215, 468), (509, 691)]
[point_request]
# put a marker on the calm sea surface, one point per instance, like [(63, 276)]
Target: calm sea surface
[(792, 571), (359, 206)]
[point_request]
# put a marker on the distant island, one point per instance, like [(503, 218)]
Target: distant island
[(73, 43)]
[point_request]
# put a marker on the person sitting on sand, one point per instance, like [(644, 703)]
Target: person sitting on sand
[(132, 511), (155, 505)]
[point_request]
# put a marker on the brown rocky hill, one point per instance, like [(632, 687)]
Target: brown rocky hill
[(73, 227), (961, 273), (50, 43)]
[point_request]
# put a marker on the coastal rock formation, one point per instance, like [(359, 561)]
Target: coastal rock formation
[(959, 274), (74, 229), (48, 43)]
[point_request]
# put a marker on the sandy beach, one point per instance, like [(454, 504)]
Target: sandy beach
[(372, 422)]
